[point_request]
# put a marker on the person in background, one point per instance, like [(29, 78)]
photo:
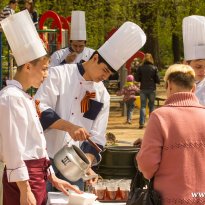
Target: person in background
[(9, 9), (194, 51), (77, 51), (75, 93), (135, 65), (129, 91), (22, 142), (147, 75), (173, 142), (29, 5)]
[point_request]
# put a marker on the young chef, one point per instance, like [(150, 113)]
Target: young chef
[(77, 51), (76, 93), (22, 142), (194, 51)]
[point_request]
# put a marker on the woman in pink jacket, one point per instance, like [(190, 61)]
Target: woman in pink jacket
[(173, 146)]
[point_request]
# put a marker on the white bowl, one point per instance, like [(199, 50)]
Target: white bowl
[(82, 199)]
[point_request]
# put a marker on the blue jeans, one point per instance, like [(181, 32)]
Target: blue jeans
[(144, 96), (49, 186), (130, 107)]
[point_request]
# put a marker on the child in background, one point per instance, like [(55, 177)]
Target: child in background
[(129, 91)]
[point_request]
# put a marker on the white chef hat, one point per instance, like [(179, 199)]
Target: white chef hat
[(22, 37), (78, 26), (194, 37), (122, 45)]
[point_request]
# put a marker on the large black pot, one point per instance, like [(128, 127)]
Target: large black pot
[(118, 162)]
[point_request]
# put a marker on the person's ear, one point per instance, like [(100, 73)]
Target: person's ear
[(194, 88), (27, 66), (95, 57)]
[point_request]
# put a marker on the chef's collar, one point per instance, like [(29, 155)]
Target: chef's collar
[(81, 69)]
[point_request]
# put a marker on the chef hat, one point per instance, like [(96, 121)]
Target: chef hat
[(78, 26), (122, 45), (194, 37), (22, 37)]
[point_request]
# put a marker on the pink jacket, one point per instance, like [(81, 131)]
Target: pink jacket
[(129, 92), (173, 150)]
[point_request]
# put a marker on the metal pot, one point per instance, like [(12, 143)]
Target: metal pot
[(72, 163)]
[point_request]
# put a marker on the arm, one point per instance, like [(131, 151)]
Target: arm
[(26, 195), (13, 132), (48, 94), (149, 156), (98, 131)]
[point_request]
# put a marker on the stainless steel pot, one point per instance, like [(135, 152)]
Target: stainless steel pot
[(72, 163)]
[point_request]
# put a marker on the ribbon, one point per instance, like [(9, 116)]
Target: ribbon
[(37, 102), (85, 103)]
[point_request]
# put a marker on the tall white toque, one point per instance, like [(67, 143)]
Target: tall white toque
[(78, 26), (122, 45), (194, 37), (22, 37)]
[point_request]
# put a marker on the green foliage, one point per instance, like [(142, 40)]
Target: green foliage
[(163, 19)]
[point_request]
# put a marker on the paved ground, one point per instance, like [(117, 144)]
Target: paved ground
[(127, 132)]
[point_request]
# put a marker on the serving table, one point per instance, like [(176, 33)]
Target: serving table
[(58, 198)]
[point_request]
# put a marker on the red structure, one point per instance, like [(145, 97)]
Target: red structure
[(58, 22)]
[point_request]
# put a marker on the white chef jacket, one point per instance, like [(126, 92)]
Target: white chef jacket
[(21, 134), (200, 91), (63, 91), (59, 56)]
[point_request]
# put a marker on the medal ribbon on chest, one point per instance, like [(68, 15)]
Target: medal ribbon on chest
[(85, 101)]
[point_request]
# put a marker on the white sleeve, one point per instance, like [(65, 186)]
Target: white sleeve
[(13, 129), (55, 59)]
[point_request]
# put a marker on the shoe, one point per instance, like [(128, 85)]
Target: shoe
[(129, 122), (141, 126)]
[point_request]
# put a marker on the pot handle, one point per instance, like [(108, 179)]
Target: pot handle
[(87, 177)]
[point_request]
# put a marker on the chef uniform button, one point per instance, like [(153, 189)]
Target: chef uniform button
[(76, 98), (72, 113), (81, 83)]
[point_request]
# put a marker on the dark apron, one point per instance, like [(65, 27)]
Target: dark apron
[(37, 170)]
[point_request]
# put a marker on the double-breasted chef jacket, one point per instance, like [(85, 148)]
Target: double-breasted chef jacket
[(60, 96), (58, 57), (21, 133)]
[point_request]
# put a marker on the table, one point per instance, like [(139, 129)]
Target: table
[(58, 198)]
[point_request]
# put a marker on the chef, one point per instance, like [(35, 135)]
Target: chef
[(22, 142), (77, 51), (194, 51), (75, 93)]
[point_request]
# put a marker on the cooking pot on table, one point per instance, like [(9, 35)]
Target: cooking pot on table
[(72, 163)]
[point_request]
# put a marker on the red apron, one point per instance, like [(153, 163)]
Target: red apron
[(37, 170)]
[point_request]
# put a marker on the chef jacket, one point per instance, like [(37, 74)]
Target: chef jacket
[(200, 91), (62, 92), (21, 133), (59, 56)]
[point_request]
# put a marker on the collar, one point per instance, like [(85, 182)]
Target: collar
[(15, 83), (182, 99), (80, 68)]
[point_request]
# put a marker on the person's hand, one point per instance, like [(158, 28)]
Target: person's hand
[(93, 180), (26, 195), (78, 133), (62, 185), (71, 57), (137, 143), (27, 198)]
